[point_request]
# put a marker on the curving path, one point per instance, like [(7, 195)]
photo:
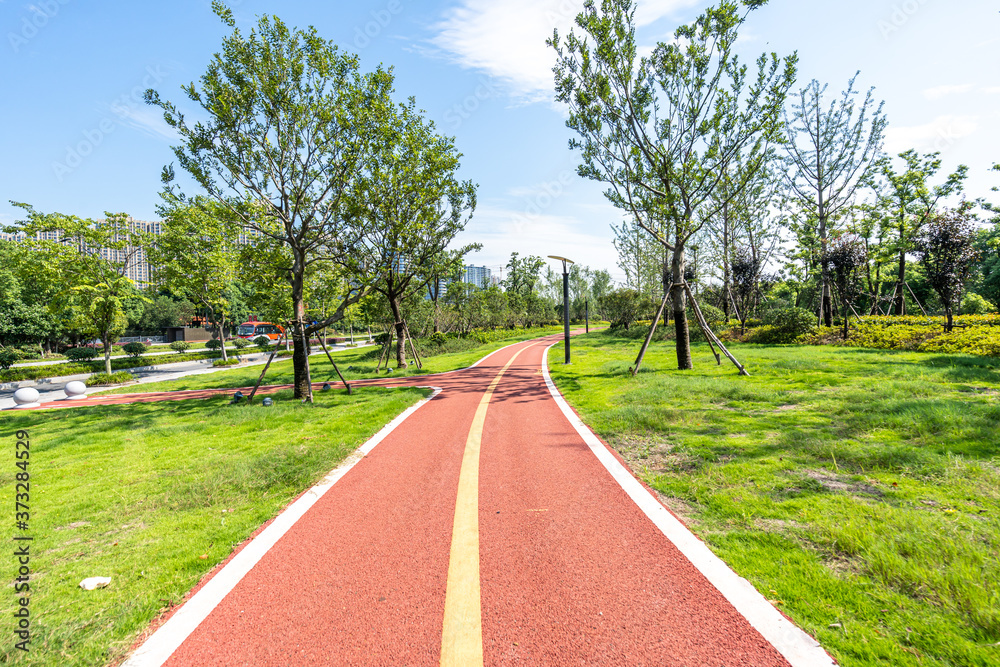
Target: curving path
[(486, 526)]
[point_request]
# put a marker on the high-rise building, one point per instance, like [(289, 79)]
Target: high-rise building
[(480, 276), (133, 257)]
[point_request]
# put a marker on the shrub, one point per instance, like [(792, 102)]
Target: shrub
[(214, 344), (227, 362), (263, 343), (973, 304), (713, 315), (793, 322), (437, 338), (180, 346), (26, 352), (135, 349), (103, 379), (81, 353), (241, 343), (7, 358)]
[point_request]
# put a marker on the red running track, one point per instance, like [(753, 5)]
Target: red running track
[(571, 570)]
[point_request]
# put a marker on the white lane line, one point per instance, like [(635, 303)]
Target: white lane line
[(796, 646), (168, 638)]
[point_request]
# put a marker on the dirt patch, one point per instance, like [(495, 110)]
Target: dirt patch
[(776, 525), (653, 455), (842, 484), (75, 524), (684, 510)]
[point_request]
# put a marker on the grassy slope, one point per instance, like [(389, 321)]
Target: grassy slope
[(137, 493), (858, 489)]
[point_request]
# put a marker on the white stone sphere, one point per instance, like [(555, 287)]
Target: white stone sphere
[(26, 397), (75, 390)]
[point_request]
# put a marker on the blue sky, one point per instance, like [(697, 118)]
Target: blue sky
[(78, 139)]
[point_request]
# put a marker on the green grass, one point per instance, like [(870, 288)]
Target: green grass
[(97, 366), (137, 493), (353, 363), (858, 489)]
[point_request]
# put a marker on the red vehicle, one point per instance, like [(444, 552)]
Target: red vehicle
[(254, 329)]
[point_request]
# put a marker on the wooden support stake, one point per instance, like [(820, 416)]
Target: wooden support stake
[(413, 349), (332, 363), (915, 299), (697, 311), (266, 366), (649, 336)]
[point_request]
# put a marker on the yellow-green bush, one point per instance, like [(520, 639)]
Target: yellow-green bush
[(973, 334)]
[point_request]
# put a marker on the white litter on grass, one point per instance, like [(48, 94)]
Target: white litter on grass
[(92, 583)]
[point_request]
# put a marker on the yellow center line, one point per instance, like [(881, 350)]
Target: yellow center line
[(462, 637)]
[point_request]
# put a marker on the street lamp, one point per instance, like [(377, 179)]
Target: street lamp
[(565, 299)]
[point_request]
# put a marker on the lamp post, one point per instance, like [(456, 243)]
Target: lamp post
[(565, 299)]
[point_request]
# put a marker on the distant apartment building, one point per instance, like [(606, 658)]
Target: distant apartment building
[(480, 276), (137, 267)]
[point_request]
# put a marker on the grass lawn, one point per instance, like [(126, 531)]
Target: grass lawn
[(154, 496), (857, 489), (353, 363)]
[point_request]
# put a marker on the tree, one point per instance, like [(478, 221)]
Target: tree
[(908, 202), (90, 260), (198, 255), (22, 321), (831, 153), (623, 306), (661, 130), (641, 257), (290, 122), (947, 252), (847, 256), (414, 207), (523, 274), (746, 271)]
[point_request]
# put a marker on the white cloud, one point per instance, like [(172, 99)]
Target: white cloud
[(503, 231), (937, 135), (991, 90), (944, 91), (507, 39)]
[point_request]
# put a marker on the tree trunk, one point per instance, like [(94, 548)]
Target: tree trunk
[(222, 337), (107, 353), (678, 301), (300, 355), (397, 318), (900, 305), (948, 313)]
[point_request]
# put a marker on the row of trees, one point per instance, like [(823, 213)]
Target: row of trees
[(725, 173)]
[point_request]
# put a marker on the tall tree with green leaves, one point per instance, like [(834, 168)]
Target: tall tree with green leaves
[(198, 256), (89, 260), (414, 206), (662, 130), (288, 122), (832, 151), (907, 202)]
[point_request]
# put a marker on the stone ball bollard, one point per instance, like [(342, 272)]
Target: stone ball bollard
[(26, 397), (75, 390)]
